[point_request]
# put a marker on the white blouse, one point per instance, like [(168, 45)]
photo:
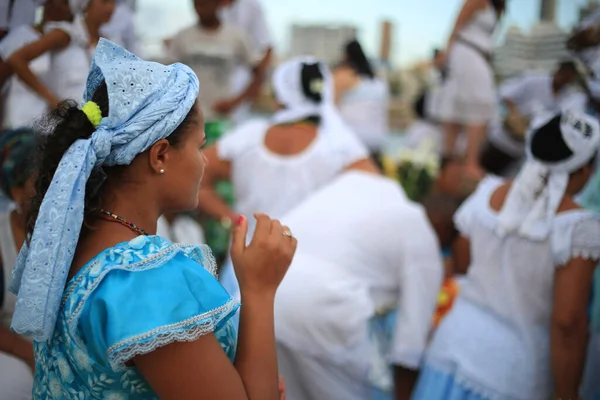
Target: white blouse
[(497, 337), (273, 184), (363, 249)]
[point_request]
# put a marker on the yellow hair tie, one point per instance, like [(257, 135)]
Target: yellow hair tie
[(93, 112)]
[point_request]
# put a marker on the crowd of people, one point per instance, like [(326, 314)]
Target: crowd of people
[(158, 239)]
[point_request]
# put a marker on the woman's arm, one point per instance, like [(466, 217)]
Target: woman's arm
[(200, 369), (12, 343), (19, 62), (569, 325), (461, 255), (470, 7), (209, 200)]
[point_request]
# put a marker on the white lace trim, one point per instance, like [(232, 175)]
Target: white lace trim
[(185, 331), (469, 383)]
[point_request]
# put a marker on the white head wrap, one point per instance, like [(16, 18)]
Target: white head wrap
[(78, 6), (538, 189), (287, 85)]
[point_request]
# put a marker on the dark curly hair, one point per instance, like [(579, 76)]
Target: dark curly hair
[(59, 130)]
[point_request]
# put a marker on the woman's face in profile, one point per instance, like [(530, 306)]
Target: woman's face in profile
[(185, 169), (102, 10)]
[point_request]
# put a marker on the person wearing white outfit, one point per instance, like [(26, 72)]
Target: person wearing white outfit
[(519, 327), (71, 46), (180, 228), (249, 17), (22, 106), (468, 100), (275, 164), (17, 147), (362, 98), (121, 28), (353, 314), (523, 98)]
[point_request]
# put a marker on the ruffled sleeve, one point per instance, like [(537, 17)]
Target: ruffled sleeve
[(135, 311), (576, 234), (476, 205)]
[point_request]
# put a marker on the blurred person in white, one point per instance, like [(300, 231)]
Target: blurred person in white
[(275, 164), (519, 328), (436, 82), (468, 100), (71, 46), (249, 17), (362, 98), (22, 105), (14, 13), (521, 99), (180, 228), (121, 28), (353, 314), (214, 50), (17, 148)]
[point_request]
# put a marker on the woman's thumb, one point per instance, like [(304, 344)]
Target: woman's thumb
[(238, 241)]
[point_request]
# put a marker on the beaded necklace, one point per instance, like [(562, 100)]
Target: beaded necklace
[(112, 217)]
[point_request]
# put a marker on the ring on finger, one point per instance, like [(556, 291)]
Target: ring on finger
[(287, 233)]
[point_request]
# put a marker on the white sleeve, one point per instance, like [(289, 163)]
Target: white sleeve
[(576, 235), (247, 57), (514, 89), (345, 148), (421, 275)]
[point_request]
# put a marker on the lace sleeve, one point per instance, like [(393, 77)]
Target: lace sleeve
[(132, 313), (576, 235)]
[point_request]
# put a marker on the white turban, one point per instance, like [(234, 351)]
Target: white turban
[(538, 189)]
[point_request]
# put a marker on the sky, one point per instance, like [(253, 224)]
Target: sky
[(419, 25)]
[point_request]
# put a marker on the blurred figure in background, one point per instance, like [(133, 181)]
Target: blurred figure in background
[(519, 327), (17, 148), (275, 164), (180, 228), (14, 13), (353, 314), (214, 50), (71, 46), (121, 28), (362, 98), (438, 76), (467, 102), (522, 98), (23, 105), (249, 17)]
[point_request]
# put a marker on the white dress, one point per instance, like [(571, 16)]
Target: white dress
[(496, 340), (23, 106), (468, 94), (69, 67), (16, 379), (365, 109), (364, 250), (273, 184)]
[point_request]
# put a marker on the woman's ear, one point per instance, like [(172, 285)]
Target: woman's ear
[(158, 156)]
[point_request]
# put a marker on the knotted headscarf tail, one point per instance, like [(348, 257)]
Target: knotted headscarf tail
[(537, 191), (287, 85), (147, 102)]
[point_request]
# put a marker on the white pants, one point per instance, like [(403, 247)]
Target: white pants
[(16, 379)]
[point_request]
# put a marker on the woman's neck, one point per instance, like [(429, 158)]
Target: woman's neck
[(134, 208), (93, 28)]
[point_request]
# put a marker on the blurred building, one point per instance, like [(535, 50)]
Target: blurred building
[(324, 42), (538, 50)]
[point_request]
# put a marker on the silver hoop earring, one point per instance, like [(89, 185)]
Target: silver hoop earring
[(161, 171)]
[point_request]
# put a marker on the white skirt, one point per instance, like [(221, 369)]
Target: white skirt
[(16, 379), (468, 95)]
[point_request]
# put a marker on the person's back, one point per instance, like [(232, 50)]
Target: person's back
[(374, 253), (529, 253)]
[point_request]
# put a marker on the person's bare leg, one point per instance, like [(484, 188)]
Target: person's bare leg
[(451, 132), (475, 137)]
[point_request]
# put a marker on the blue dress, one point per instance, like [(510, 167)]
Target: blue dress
[(130, 300)]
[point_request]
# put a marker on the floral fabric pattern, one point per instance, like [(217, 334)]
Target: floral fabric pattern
[(66, 366)]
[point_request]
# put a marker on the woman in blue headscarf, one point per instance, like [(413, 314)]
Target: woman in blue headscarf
[(116, 312)]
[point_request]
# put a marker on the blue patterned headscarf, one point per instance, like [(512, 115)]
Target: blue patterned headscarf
[(147, 102)]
